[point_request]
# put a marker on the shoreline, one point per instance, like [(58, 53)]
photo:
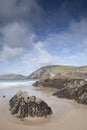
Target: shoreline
[(71, 118)]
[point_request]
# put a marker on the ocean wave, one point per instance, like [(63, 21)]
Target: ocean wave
[(10, 84)]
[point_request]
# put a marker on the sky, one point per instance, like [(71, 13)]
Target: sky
[(36, 33)]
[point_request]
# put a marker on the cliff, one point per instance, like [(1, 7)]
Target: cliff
[(59, 71)]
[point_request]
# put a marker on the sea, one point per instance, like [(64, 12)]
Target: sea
[(9, 88)]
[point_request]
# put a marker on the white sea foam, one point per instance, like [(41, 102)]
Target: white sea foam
[(10, 84)]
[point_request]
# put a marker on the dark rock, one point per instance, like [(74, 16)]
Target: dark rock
[(77, 92), (54, 83), (67, 88), (3, 96), (60, 83), (82, 94), (24, 106)]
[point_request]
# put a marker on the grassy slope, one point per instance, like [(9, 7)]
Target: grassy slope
[(62, 69), (12, 76), (58, 69)]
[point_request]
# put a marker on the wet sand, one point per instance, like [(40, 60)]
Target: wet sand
[(67, 115), (75, 119)]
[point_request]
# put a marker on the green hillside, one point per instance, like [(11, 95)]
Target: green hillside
[(59, 70), (12, 77)]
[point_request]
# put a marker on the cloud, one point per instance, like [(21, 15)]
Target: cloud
[(67, 47), (28, 11), (10, 54), (70, 42), (17, 35), (74, 38), (43, 56), (38, 57), (18, 7), (16, 38), (79, 32)]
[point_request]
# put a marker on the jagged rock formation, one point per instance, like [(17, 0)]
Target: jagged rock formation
[(60, 83), (77, 93), (22, 106), (67, 88)]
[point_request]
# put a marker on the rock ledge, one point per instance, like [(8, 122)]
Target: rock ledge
[(68, 88)]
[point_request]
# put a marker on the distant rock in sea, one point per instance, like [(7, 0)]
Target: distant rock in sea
[(22, 105)]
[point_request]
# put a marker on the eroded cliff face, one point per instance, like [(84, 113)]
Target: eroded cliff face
[(42, 72), (49, 71), (67, 88), (59, 71)]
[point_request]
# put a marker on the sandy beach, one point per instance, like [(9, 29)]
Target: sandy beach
[(75, 119), (67, 114), (43, 65)]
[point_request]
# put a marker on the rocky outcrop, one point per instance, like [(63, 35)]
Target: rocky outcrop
[(79, 93), (22, 106), (60, 83), (67, 88), (82, 94), (53, 83)]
